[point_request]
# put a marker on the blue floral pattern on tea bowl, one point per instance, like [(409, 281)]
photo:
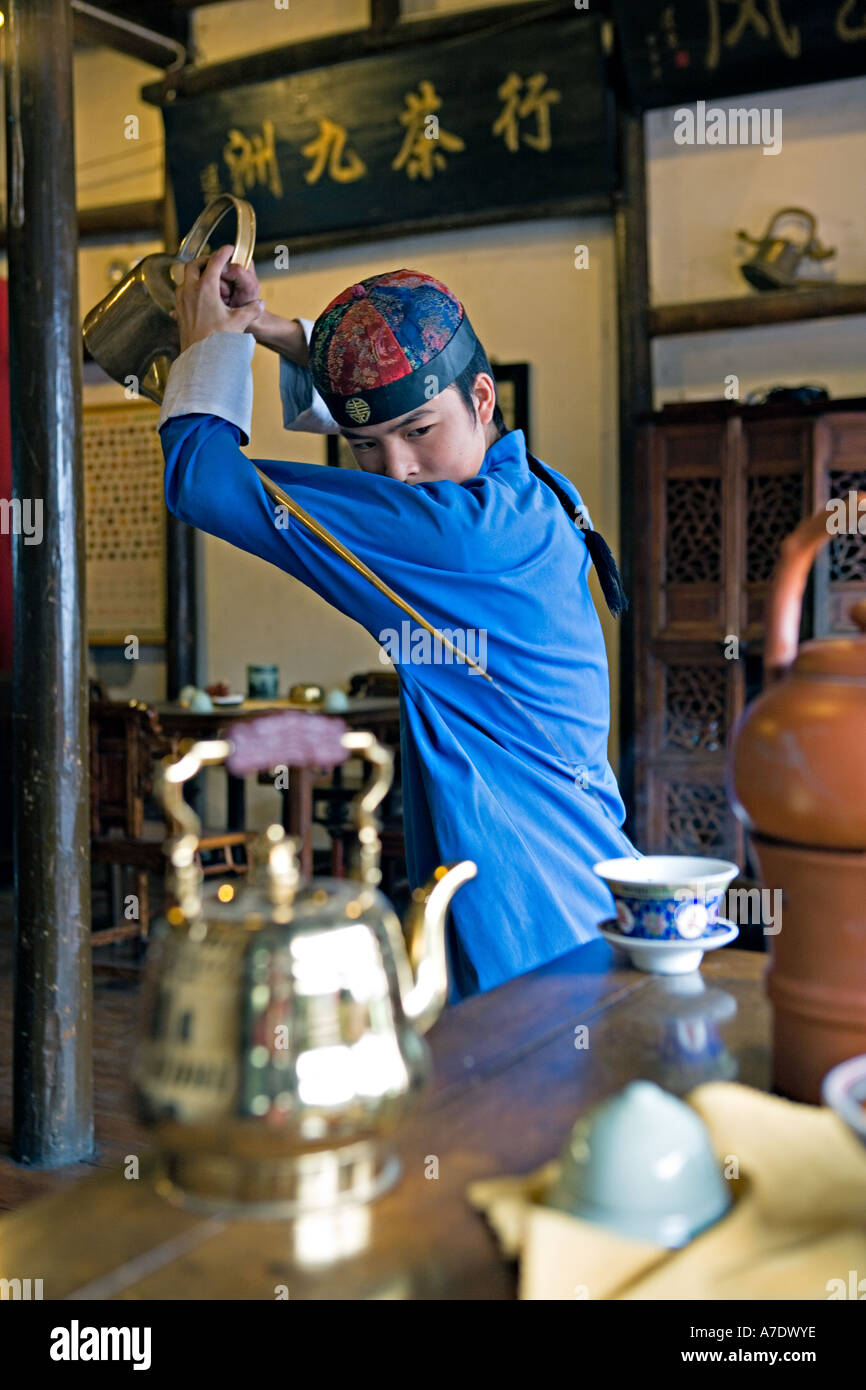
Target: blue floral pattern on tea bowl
[(667, 897)]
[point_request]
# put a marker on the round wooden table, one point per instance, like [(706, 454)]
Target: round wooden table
[(508, 1084)]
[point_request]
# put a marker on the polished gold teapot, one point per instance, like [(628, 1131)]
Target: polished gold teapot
[(281, 1040), (130, 332)]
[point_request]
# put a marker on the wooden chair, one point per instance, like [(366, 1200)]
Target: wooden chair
[(125, 741)]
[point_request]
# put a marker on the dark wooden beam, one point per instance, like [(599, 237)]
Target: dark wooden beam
[(384, 14), (52, 1080), (336, 48), (117, 220), (635, 396), (138, 34), (753, 310), (716, 409), (592, 205), (122, 219)]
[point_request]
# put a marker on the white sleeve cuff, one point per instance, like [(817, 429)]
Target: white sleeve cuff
[(213, 377), (303, 407)]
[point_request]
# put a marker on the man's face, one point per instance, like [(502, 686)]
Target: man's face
[(437, 440)]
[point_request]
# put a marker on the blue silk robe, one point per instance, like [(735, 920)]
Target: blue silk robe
[(514, 776)]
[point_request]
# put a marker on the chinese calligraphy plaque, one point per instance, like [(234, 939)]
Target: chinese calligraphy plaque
[(492, 125)]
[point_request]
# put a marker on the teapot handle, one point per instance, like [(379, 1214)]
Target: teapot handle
[(311, 740), (777, 217), (787, 586), (199, 233), (254, 745)]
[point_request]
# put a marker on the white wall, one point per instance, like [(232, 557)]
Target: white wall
[(699, 196)]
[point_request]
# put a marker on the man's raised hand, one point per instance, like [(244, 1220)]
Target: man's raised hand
[(200, 307), (238, 286)]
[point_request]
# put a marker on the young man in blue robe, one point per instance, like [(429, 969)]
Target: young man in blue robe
[(484, 541)]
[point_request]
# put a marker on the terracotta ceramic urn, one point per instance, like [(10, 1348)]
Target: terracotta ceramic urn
[(797, 780)]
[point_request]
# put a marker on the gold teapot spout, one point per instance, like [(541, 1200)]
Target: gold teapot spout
[(425, 942)]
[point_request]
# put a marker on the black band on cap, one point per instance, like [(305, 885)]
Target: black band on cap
[(380, 403)]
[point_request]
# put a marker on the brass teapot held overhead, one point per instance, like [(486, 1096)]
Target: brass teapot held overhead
[(130, 332), (281, 1031), (775, 264)]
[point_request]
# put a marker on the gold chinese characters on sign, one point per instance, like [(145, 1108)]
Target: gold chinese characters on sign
[(535, 103), (417, 153), (328, 147), (251, 159)]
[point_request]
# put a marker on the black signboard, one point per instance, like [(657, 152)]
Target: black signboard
[(684, 50), (513, 121)]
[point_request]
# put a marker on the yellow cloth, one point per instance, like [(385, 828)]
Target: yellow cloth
[(798, 1222)]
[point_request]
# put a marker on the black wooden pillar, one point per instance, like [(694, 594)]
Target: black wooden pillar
[(53, 1097), (635, 395), (181, 599)]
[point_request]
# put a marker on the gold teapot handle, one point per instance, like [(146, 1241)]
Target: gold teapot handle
[(181, 848), (296, 739), (199, 233), (302, 740), (309, 740), (365, 803), (777, 217)]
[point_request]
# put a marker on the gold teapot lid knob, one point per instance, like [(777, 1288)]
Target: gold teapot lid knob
[(283, 871)]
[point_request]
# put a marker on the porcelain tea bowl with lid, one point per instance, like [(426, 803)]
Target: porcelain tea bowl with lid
[(641, 1164)]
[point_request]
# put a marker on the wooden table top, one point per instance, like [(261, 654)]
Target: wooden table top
[(509, 1082), (224, 714)]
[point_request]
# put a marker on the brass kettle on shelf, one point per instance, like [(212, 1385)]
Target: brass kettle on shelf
[(281, 1034), (130, 332), (776, 261)]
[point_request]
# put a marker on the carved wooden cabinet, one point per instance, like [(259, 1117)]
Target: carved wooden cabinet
[(722, 484)]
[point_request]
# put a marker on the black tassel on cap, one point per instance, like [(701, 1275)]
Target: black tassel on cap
[(609, 576)]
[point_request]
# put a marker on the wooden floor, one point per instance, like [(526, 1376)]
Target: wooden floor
[(115, 1003)]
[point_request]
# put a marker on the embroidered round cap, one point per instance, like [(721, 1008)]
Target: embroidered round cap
[(387, 345)]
